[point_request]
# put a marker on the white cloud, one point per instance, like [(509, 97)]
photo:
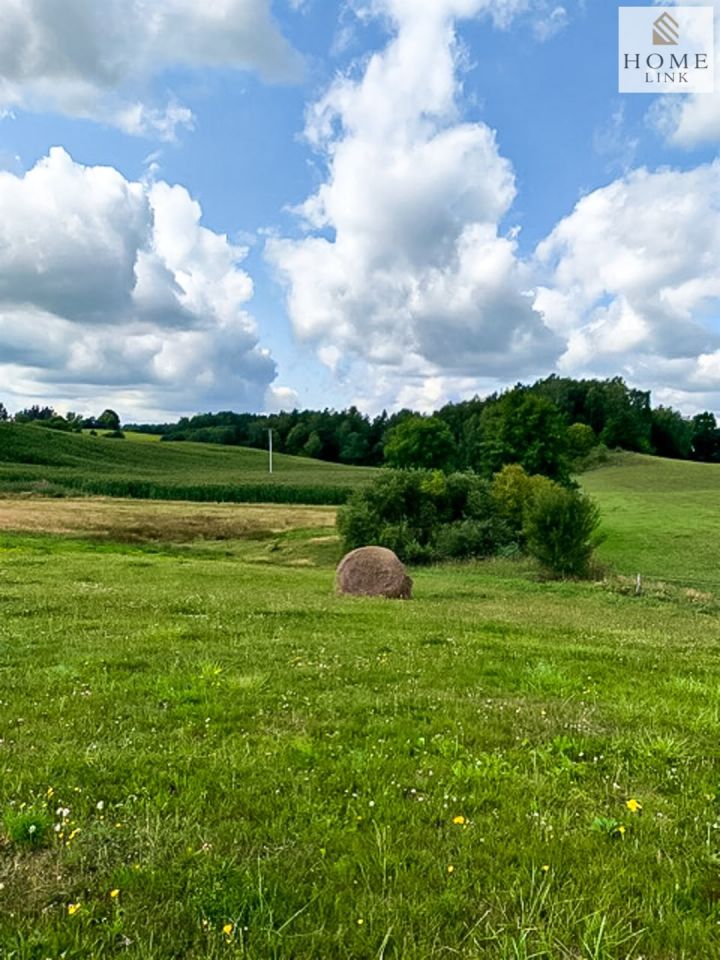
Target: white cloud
[(688, 121), (109, 287), (632, 280), (88, 59), (403, 264)]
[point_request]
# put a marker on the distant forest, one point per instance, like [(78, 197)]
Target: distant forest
[(548, 427), (556, 418)]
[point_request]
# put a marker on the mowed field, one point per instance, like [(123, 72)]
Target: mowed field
[(205, 753), (661, 518)]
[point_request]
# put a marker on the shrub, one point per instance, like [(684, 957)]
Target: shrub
[(560, 527), (581, 440), (471, 538), (424, 516)]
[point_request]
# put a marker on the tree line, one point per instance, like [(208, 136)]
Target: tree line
[(545, 427)]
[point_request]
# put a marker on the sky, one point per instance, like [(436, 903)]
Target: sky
[(255, 205)]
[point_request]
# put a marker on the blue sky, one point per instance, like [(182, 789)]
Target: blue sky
[(382, 202)]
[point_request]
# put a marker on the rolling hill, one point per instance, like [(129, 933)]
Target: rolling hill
[(38, 459), (661, 518)]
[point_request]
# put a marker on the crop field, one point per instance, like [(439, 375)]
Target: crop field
[(204, 753), (35, 459)]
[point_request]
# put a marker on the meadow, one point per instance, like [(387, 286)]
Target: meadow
[(660, 518), (205, 753)]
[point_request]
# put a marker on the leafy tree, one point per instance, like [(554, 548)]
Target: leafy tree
[(421, 443), (512, 490), (108, 420), (34, 413), (581, 440), (705, 438), (527, 429), (313, 446), (671, 434), (3, 413)]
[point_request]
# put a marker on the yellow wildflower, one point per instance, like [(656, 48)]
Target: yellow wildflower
[(621, 830), (545, 867), (459, 820), (228, 929), (73, 908), (451, 868), (633, 806), (360, 921), (114, 894)]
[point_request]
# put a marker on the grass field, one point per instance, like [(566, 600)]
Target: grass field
[(36, 459), (661, 517), (205, 754)]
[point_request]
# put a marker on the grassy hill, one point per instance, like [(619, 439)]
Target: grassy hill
[(661, 518), (38, 459)]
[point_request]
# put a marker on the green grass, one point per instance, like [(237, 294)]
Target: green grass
[(661, 517), (40, 460), (221, 740)]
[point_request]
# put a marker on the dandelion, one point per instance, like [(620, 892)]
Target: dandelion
[(545, 867), (73, 909), (451, 868), (228, 929), (360, 921), (621, 831), (633, 806), (50, 793), (460, 821), (114, 894)]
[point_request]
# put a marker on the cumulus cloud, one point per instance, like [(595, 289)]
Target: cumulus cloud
[(86, 59), (111, 286), (689, 121), (633, 280), (403, 264)]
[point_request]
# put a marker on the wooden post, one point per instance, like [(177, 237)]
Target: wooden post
[(638, 586)]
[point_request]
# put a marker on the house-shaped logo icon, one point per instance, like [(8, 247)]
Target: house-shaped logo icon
[(666, 31)]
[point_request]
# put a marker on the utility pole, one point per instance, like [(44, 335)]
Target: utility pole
[(270, 465)]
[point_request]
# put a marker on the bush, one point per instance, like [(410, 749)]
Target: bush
[(560, 528), (424, 516)]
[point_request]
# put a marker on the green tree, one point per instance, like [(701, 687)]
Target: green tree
[(421, 443), (3, 413), (705, 438), (313, 447), (581, 440), (671, 434), (524, 428), (108, 420)]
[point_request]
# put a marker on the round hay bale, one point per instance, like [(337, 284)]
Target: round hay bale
[(373, 572)]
